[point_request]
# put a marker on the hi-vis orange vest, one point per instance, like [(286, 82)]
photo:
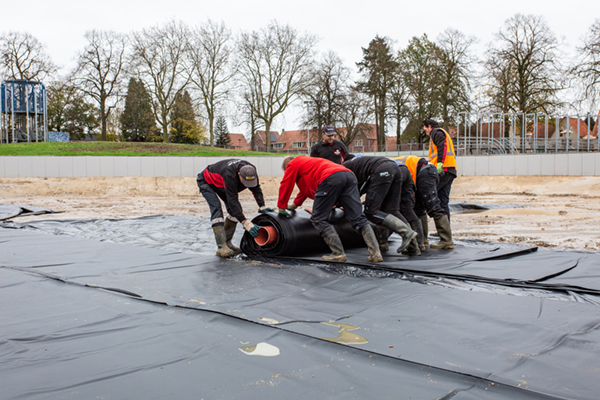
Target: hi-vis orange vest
[(411, 163), (450, 160)]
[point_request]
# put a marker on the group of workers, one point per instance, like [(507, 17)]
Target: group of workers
[(399, 194)]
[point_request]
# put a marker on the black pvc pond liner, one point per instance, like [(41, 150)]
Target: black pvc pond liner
[(104, 315), (8, 211), (463, 207)]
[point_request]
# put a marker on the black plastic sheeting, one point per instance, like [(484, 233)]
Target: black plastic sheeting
[(463, 207), (297, 235), (8, 211), (115, 318)]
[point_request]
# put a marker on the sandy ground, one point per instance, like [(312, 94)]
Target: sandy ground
[(561, 211)]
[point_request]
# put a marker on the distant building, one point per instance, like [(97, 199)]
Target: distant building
[(238, 142), (260, 142)]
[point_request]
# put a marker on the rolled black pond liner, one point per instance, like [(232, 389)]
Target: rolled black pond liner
[(297, 235)]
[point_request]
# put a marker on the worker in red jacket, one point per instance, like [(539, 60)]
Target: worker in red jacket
[(327, 183)]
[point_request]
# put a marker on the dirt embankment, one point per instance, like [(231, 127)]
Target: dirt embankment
[(562, 211)]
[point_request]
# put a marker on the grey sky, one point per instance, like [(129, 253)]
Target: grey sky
[(343, 26)]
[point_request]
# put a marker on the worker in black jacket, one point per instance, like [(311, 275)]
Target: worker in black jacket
[(224, 180), (379, 179), (330, 148), (426, 178)]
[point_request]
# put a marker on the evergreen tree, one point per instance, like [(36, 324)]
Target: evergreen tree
[(184, 127), (378, 68), (222, 138), (137, 121)]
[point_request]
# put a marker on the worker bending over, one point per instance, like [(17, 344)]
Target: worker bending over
[(380, 179), (426, 178), (327, 183), (407, 209), (442, 155), (224, 180)]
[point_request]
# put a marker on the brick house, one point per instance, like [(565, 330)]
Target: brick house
[(260, 141), (238, 142)]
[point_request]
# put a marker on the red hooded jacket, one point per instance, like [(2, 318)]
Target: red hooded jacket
[(307, 173)]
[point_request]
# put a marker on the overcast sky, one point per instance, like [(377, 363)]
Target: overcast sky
[(342, 26)]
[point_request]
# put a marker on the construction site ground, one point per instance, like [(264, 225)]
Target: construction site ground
[(553, 211)]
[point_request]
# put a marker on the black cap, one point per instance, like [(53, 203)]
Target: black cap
[(249, 177), (329, 130)]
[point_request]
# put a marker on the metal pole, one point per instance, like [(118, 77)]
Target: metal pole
[(2, 111), (45, 107), (556, 133), (477, 132), (545, 133), (589, 134), (13, 112), (534, 132), (27, 111), (568, 142), (578, 131)]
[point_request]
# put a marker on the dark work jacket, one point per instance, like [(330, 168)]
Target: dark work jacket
[(365, 166), (438, 137), (224, 179), (336, 151)]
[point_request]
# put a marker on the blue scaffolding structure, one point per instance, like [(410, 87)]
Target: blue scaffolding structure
[(23, 112)]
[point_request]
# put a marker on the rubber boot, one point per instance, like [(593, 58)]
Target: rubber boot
[(334, 242), (372, 245), (414, 248), (425, 227), (229, 231), (396, 225), (221, 239), (382, 237), (443, 228)]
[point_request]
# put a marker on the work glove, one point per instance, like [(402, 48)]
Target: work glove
[(440, 168), (265, 209), (251, 228), (284, 213)]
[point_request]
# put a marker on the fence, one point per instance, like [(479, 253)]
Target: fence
[(405, 147), (507, 133)]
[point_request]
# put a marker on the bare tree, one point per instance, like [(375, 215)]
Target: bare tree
[(353, 114), (158, 60), (274, 64), (456, 72), (588, 67), (326, 92), (524, 68), (99, 72), (210, 66), (250, 118), (24, 57), (399, 103)]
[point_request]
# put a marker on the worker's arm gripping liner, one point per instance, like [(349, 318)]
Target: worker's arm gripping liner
[(297, 235)]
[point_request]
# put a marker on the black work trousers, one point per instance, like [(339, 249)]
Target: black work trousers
[(212, 198), (383, 193), (408, 198), (427, 200), (443, 189), (339, 187)]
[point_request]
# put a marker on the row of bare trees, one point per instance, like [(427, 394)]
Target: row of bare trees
[(265, 71)]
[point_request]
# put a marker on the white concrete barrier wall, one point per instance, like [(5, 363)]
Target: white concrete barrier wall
[(90, 166), (575, 164)]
